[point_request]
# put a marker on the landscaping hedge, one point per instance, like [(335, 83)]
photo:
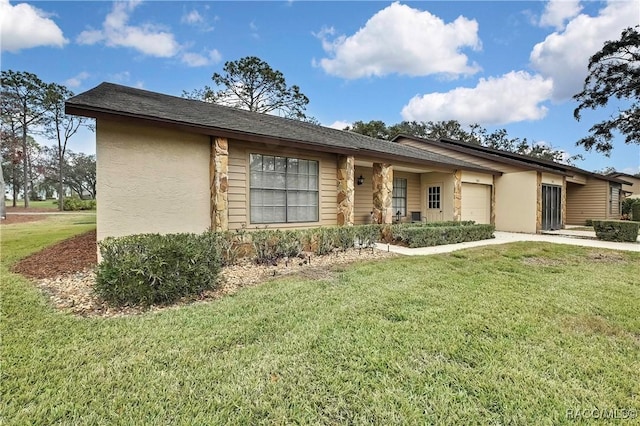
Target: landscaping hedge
[(151, 269), (156, 269), (616, 230), (75, 204), (426, 236)]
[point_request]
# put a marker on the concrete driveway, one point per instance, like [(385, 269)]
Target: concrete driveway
[(575, 238)]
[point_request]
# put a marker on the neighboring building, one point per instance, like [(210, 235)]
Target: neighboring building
[(631, 185), (532, 194), (168, 164)]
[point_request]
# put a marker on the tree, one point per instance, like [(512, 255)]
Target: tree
[(614, 73), (24, 105), (61, 127), (452, 129), (374, 128), (250, 83)]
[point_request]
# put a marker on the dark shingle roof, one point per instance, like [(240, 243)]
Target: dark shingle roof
[(113, 99), (510, 157)]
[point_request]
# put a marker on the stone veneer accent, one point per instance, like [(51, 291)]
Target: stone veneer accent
[(382, 183), (346, 189), (538, 202), (457, 195), (219, 185)]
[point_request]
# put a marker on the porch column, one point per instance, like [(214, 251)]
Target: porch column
[(218, 178), (346, 189), (457, 195), (382, 183), (493, 201)]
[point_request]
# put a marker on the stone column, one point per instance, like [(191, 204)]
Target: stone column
[(346, 189), (382, 183), (538, 202), (457, 195), (219, 185)]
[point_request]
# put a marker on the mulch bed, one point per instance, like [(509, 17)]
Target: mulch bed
[(12, 219), (65, 274), (67, 257)]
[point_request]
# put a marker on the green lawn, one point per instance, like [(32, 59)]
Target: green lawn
[(515, 334), (46, 204)]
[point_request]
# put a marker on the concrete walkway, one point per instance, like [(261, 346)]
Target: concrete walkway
[(511, 237)]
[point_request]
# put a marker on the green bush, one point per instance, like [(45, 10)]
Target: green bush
[(635, 212), (157, 269), (628, 204), (271, 245), (588, 222), (75, 204), (616, 230), (425, 236), (367, 235)]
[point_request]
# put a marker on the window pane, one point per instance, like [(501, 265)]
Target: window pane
[(283, 189)]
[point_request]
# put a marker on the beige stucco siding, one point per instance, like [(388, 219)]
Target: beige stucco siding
[(589, 201), (516, 202), (150, 180), (239, 191)]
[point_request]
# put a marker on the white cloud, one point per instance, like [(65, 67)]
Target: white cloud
[(339, 124), (192, 17), (513, 97), (556, 12), (564, 56), (147, 38), (77, 80), (198, 60), (23, 26), (403, 40)]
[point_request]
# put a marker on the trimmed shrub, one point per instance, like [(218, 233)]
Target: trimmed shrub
[(616, 230), (588, 222), (157, 269), (367, 235), (424, 236), (271, 245), (75, 204)]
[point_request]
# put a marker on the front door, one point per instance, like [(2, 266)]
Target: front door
[(434, 203), (551, 207)]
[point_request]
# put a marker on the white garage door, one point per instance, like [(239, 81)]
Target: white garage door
[(476, 202)]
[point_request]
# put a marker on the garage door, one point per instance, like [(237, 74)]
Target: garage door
[(476, 202)]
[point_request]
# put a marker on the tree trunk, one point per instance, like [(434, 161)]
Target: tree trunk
[(61, 186), (25, 165), (3, 205), (14, 184)]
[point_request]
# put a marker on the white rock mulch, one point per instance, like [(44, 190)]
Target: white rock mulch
[(74, 293)]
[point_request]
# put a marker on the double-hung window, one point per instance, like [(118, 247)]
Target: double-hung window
[(399, 201), (283, 189), (433, 197)]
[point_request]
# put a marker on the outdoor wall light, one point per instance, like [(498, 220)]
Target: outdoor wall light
[(398, 215), (360, 180)]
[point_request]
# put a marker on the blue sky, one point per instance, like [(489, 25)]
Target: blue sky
[(502, 64)]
